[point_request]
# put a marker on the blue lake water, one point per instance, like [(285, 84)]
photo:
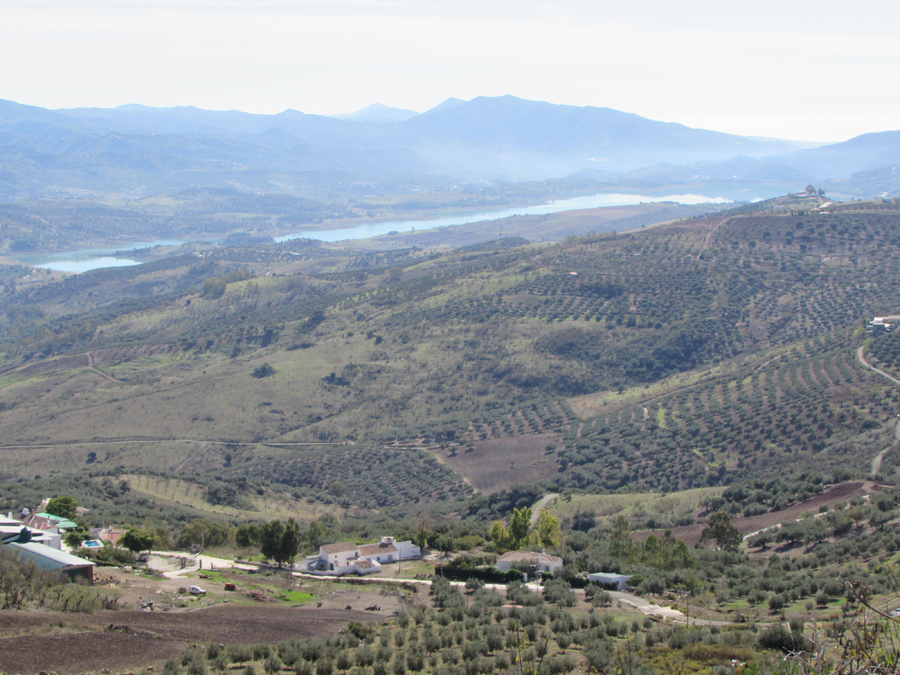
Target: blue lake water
[(85, 260), (587, 202)]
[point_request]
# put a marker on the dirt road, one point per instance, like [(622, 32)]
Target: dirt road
[(647, 607), (860, 356), (876, 462), (536, 514), (93, 368), (714, 225)]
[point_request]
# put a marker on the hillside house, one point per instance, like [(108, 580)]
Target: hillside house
[(107, 535), (883, 324), (349, 558), (541, 562), (47, 521)]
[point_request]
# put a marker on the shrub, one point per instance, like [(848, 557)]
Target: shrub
[(263, 370)]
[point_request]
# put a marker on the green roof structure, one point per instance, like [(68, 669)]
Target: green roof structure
[(62, 523)]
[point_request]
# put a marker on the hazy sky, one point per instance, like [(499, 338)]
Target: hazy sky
[(794, 69)]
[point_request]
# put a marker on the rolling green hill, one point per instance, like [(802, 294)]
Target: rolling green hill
[(688, 355)]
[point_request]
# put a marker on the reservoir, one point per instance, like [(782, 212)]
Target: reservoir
[(84, 260), (587, 202)]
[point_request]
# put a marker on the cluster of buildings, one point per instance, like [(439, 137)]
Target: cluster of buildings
[(348, 558), (345, 557), (883, 324), (544, 563), (38, 537)]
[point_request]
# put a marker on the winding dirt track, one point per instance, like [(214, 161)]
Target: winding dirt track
[(90, 366), (876, 462), (536, 514)]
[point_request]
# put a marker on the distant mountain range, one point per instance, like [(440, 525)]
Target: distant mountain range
[(378, 113), (139, 150)]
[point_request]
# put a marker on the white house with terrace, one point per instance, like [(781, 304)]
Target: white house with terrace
[(348, 558)]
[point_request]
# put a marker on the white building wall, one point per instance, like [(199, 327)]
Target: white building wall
[(552, 567), (407, 550), (620, 580)]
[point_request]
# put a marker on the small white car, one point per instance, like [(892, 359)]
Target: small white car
[(196, 590)]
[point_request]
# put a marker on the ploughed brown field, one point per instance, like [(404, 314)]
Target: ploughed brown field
[(499, 463), (838, 493), (117, 640)]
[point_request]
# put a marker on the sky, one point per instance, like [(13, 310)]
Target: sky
[(816, 71)]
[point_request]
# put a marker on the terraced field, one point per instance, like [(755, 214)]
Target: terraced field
[(812, 407), (689, 355), (370, 477)]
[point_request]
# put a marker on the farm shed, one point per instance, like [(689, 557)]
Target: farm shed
[(620, 581), (47, 558)]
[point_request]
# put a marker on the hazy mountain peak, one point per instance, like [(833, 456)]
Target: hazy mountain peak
[(131, 107), (449, 103), (378, 113)]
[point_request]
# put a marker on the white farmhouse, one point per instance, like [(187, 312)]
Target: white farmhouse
[(348, 558), (542, 562)]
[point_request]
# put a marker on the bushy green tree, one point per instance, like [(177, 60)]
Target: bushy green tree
[(63, 506), (137, 540), (317, 533), (620, 539), (214, 287), (520, 526), (206, 532), (720, 529), (549, 532), (280, 541)]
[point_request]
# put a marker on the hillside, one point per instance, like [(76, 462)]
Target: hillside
[(691, 354)]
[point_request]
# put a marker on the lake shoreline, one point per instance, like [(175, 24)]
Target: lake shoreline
[(86, 259)]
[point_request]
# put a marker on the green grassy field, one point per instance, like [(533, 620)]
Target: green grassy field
[(264, 507), (635, 506)]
